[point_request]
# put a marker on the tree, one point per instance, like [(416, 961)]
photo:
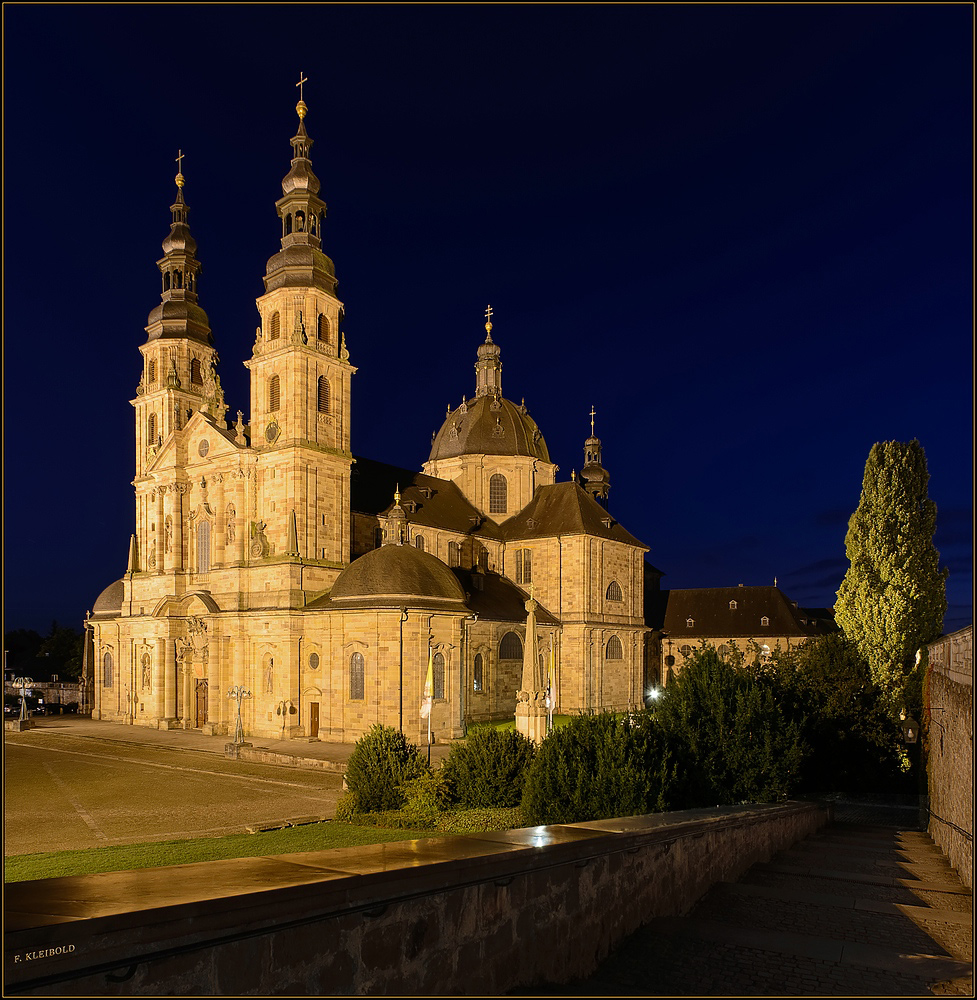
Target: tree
[(893, 597)]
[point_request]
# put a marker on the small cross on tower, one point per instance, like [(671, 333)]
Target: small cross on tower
[(179, 169), (592, 413), (302, 79)]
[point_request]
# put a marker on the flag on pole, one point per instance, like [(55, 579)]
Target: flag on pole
[(428, 686)]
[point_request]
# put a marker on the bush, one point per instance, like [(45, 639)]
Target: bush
[(488, 770), (381, 763), (737, 736), (425, 798), (598, 766)]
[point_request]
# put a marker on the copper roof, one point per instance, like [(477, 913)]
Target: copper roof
[(489, 425)]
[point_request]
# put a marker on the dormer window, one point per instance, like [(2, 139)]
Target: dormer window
[(732, 605), (764, 620), (690, 622)]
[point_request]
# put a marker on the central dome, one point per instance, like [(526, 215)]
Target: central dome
[(489, 425)]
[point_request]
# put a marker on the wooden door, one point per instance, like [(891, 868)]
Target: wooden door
[(201, 703), (314, 719)]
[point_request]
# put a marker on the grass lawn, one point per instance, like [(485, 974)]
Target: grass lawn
[(123, 857)]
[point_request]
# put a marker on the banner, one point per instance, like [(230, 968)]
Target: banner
[(428, 698)]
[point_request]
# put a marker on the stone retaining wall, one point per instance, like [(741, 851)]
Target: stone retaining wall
[(950, 764), (506, 911)]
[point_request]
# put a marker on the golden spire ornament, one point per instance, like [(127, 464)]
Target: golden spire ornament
[(301, 108), (179, 170), (488, 320)]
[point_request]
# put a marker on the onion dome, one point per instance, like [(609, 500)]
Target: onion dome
[(301, 262), (178, 316), (397, 576)]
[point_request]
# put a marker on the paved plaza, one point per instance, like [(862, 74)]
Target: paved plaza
[(73, 783)]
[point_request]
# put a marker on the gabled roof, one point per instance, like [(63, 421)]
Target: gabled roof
[(427, 501), (712, 616), (565, 509)]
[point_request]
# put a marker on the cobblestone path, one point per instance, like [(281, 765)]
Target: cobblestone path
[(857, 910)]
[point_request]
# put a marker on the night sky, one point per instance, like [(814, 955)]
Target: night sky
[(742, 234)]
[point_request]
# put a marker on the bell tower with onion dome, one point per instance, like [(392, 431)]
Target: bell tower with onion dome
[(179, 373), (300, 379)]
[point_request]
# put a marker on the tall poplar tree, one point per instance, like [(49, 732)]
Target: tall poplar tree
[(893, 597)]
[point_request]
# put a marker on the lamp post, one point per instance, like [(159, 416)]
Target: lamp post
[(23, 682), (238, 693)]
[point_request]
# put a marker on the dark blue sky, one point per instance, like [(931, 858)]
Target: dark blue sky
[(743, 234)]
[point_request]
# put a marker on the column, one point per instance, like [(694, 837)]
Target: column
[(169, 680)]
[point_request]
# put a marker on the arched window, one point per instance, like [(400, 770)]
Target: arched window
[(151, 429), (190, 282), (524, 565), (510, 648), (288, 224), (357, 678), (196, 378), (203, 547), (152, 370), (322, 331), (178, 279), (276, 327), (454, 554), (438, 676), (723, 651), (166, 281), (323, 393), (274, 393), (614, 592), (300, 222), (615, 651), (478, 674), (498, 494), (107, 670), (419, 542)]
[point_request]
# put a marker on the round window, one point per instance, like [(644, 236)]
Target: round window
[(685, 650), (313, 661), (203, 448)]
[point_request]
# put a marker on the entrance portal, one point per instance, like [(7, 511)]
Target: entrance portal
[(314, 719)]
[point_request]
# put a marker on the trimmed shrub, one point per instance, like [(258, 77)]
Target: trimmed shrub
[(488, 770), (381, 763), (425, 798), (598, 766)]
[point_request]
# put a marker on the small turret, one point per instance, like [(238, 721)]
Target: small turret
[(593, 475)]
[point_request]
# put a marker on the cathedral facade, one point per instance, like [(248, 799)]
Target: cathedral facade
[(273, 570)]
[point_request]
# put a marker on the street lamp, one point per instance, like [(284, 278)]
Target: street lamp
[(238, 693)]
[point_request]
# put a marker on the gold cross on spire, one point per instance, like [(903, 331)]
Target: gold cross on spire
[(302, 79), (592, 413), (488, 319), (179, 169), (301, 108)]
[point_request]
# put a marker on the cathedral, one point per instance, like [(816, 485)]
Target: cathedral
[(275, 573)]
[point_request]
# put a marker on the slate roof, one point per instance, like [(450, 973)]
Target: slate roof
[(427, 501), (709, 609), (395, 576), (489, 425), (494, 598), (109, 602), (565, 509)]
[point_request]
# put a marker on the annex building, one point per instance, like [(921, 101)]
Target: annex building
[(268, 558)]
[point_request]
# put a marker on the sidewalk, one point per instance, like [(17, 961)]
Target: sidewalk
[(857, 910), (297, 753)]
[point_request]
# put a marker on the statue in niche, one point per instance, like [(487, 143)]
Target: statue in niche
[(168, 534), (147, 671), (229, 521), (270, 675)]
